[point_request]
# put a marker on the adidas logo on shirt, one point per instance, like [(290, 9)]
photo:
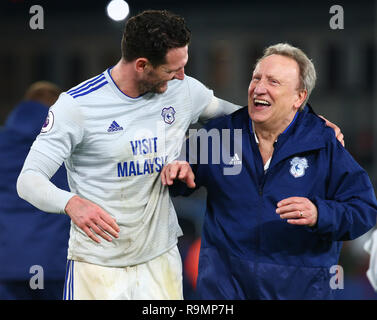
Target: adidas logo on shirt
[(114, 127), (235, 160)]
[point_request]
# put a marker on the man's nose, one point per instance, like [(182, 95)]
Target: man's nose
[(180, 75), (260, 88)]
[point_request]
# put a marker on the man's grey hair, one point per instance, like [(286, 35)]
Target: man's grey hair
[(308, 74)]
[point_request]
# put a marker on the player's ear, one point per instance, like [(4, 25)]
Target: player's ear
[(141, 64)]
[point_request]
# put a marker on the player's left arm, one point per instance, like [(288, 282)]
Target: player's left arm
[(204, 105), (217, 107), (338, 134)]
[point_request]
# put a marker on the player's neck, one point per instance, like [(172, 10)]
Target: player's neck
[(123, 76)]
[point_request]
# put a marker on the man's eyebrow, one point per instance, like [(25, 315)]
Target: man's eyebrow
[(167, 69)]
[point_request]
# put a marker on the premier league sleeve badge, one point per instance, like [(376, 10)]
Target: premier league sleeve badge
[(49, 122)]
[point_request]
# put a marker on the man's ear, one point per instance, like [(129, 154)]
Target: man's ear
[(141, 64), (301, 96)]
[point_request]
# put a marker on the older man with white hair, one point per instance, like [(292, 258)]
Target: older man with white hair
[(274, 230)]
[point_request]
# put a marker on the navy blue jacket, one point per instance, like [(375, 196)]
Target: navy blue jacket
[(247, 250), (27, 236)]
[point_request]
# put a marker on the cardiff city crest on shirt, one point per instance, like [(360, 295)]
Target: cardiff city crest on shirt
[(168, 115), (298, 167)]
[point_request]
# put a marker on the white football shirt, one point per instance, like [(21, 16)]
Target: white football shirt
[(114, 148)]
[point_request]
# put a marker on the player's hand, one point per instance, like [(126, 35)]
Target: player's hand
[(178, 170), (298, 210), (338, 134), (92, 219)]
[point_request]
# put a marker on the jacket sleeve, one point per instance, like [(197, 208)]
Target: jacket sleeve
[(350, 207)]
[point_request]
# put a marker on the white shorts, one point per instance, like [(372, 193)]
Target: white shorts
[(157, 279)]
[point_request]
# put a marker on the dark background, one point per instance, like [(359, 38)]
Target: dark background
[(79, 41)]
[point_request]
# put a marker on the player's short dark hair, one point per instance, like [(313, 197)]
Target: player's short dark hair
[(151, 34)]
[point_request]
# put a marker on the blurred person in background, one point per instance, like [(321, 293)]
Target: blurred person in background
[(29, 237), (191, 264), (370, 247)]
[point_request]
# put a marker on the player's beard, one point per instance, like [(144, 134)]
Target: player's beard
[(154, 87)]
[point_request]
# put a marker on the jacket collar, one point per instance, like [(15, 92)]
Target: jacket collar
[(304, 133)]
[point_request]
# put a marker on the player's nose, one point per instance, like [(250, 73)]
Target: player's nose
[(180, 75)]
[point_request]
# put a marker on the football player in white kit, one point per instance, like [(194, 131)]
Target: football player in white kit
[(114, 133)]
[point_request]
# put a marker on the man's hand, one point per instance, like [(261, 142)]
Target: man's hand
[(89, 217), (338, 134), (298, 210), (178, 170)]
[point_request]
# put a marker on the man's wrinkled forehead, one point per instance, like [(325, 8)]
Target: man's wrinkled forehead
[(278, 64)]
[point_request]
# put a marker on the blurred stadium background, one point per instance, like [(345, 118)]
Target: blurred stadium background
[(79, 41)]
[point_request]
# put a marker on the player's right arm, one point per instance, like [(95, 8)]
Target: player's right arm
[(62, 132)]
